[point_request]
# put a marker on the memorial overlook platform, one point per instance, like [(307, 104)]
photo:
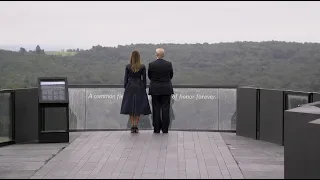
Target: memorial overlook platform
[(215, 132)]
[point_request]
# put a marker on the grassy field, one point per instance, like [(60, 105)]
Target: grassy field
[(60, 53)]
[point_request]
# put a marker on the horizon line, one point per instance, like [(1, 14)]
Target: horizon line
[(55, 46)]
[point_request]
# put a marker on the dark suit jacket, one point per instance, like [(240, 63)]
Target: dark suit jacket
[(160, 73)]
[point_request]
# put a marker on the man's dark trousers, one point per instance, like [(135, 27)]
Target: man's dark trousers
[(161, 112)]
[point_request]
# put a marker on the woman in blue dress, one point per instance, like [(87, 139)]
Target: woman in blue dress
[(135, 99)]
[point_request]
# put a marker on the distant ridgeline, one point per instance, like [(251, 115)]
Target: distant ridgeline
[(270, 64)]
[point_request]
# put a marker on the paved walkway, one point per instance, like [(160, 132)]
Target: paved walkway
[(256, 159), (22, 161), (120, 154)]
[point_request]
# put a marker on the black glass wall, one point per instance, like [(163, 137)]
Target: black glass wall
[(296, 99), (6, 116)]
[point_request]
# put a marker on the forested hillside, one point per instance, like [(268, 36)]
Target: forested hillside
[(265, 64)]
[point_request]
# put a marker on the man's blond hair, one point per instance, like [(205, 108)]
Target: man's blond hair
[(160, 53)]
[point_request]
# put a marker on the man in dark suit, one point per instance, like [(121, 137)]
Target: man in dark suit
[(160, 73)]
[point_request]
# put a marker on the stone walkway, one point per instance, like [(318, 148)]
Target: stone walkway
[(179, 154), (256, 159), (22, 161)]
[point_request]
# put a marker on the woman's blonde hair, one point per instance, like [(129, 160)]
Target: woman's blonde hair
[(135, 61)]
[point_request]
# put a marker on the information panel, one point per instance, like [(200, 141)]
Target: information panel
[(53, 91), (53, 110)]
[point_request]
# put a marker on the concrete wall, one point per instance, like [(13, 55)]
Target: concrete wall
[(302, 145), (271, 116), (247, 112)]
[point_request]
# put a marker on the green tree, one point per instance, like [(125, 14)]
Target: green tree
[(38, 49), (22, 50)]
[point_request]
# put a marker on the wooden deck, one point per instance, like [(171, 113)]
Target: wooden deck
[(119, 154)]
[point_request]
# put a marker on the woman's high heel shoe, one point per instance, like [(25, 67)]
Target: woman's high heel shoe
[(132, 129), (136, 129)]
